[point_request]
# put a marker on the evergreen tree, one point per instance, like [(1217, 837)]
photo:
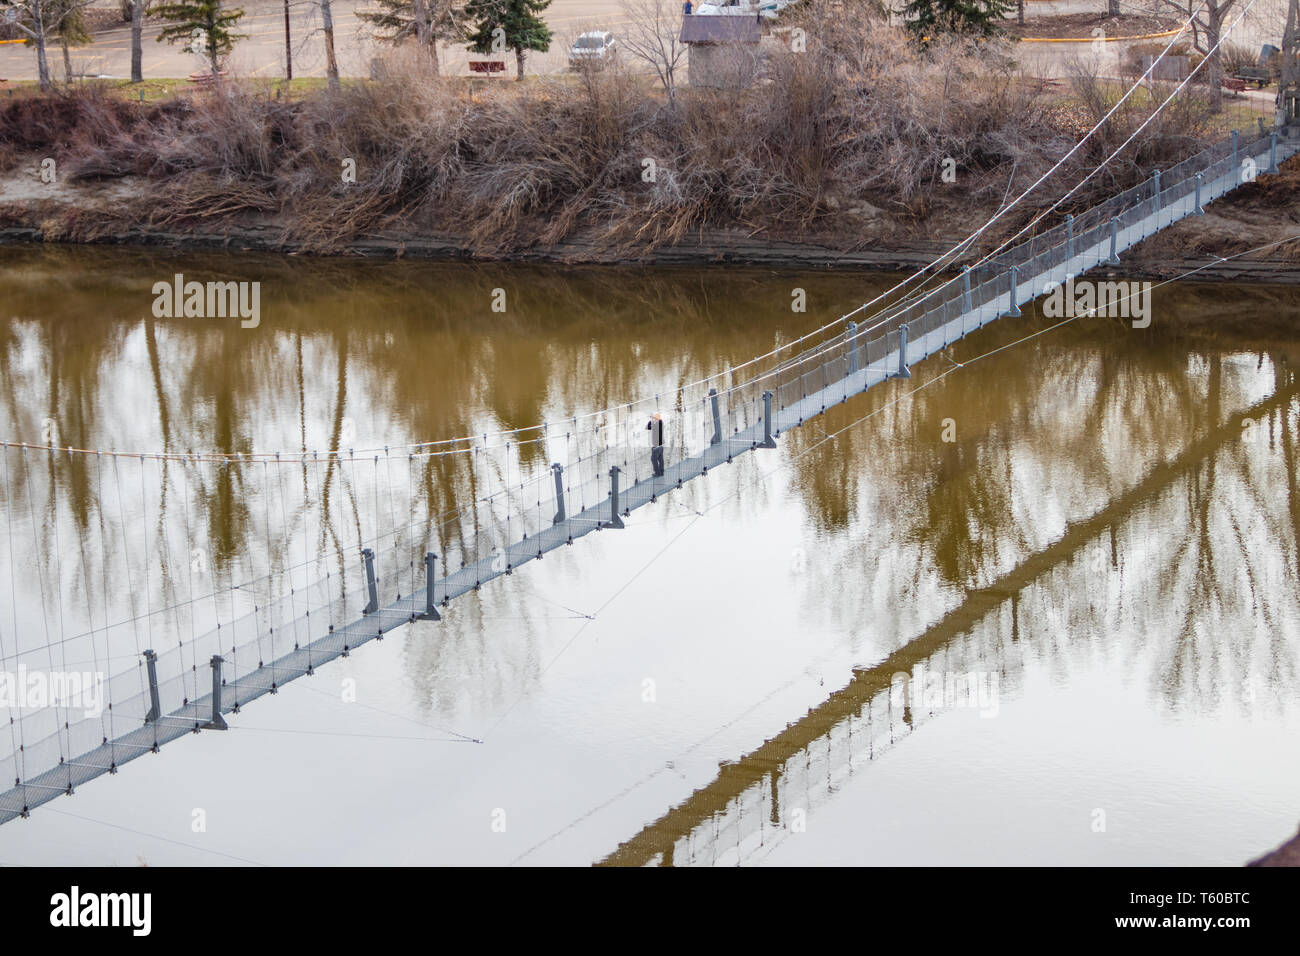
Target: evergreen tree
[(202, 24), (508, 24), (71, 30), (980, 17)]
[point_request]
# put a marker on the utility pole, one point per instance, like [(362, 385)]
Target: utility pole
[(288, 51), (1286, 87)]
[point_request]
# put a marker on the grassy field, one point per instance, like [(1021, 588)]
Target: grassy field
[(157, 89), (160, 89)]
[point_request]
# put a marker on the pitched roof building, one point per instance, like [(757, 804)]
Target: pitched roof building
[(716, 29)]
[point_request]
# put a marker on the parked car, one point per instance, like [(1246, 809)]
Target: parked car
[(593, 50)]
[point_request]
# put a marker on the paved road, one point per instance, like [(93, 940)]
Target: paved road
[(262, 53)]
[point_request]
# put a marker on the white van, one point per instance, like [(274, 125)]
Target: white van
[(593, 50)]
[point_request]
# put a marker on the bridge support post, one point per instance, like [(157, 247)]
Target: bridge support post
[(1069, 236), (1114, 241), (853, 352), (558, 469), (217, 722), (1013, 309), (151, 667), (615, 520), (430, 582), (1200, 210), (1235, 162), (965, 289), (903, 370), (372, 605), (768, 440), (717, 418), (1155, 192), (1272, 154)]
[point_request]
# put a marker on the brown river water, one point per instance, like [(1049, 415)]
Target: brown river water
[(1080, 547)]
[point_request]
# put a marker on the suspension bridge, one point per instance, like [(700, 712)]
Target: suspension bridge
[(468, 511)]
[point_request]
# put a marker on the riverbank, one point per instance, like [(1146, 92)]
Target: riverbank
[(875, 153), (1215, 247), (1288, 854)]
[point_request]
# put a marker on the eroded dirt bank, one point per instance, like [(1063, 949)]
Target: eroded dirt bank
[(1217, 246), (1288, 854), (1251, 235)]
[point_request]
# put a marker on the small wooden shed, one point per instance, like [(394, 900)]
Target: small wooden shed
[(723, 51)]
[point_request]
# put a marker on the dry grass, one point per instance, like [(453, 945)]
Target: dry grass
[(9, 157), (862, 116)]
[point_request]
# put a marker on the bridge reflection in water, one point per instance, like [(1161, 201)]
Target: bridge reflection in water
[(759, 800)]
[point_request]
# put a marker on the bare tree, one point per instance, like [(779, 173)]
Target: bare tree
[(1290, 42), (138, 10), (327, 27), (653, 34), (1207, 31), (39, 20)]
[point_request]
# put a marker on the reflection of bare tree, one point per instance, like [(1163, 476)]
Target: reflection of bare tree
[(1222, 561), (398, 351), (963, 489), (412, 352), (1098, 415), (333, 470)]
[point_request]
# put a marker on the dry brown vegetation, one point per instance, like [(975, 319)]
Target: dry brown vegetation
[(847, 139)]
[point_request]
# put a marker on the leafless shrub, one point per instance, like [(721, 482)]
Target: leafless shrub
[(1174, 133), (9, 157), (857, 114), (1237, 57)]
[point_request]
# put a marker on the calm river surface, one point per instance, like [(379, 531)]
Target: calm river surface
[(1076, 527)]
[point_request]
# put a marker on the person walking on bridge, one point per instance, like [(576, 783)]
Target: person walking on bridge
[(656, 428)]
